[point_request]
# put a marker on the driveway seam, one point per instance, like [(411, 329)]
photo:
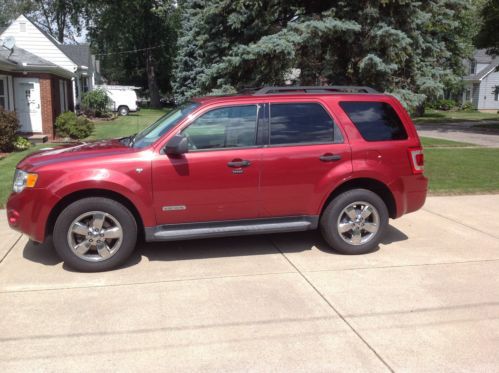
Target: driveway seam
[(333, 308), (145, 283), (10, 249), (402, 266), (458, 222)]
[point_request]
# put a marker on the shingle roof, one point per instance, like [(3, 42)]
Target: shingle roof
[(78, 53), (481, 56), (19, 56)]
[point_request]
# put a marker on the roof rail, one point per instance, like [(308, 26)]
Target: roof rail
[(313, 89)]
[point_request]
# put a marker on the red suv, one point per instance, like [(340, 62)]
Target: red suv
[(279, 159)]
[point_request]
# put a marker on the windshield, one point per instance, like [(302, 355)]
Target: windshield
[(150, 134)]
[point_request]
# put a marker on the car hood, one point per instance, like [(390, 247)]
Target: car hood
[(74, 152)]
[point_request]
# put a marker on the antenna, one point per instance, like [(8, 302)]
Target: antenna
[(9, 42)]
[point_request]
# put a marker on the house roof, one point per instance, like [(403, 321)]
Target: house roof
[(481, 56), (78, 53), (23, 58)]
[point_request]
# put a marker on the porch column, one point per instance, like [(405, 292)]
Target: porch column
[(47, 103)]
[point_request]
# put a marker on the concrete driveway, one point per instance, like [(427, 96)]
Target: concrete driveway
[(462, 132), (427, 300)]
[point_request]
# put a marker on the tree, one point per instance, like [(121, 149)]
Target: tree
[(399, 46), (488, 36), (135, 40), (63, 19), (9, 10)]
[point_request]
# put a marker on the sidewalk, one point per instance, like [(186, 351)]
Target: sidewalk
[(427, 300), (463, 132), (8, 236)]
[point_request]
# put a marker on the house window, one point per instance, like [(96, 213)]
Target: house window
[(472, 67), (468, 94), (496, 93), (3, 93), (22, 26)]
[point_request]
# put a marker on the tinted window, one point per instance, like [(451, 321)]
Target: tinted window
[(376, 121), (229, 127), (300, 123)]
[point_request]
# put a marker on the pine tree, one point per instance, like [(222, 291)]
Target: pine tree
[(413, 49)]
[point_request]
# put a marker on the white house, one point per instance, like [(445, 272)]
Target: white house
[(481, 85), (40, 77)]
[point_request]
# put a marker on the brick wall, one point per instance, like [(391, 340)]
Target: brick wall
[(47, 103)]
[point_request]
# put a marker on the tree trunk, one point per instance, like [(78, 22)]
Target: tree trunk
[(152, 80)]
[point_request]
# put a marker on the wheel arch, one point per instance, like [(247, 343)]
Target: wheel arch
[(72, 197), (373, 185)]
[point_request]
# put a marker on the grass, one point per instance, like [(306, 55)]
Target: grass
[(7, 167), (462, 171), (451, 171), (125, 126), (438, 116)]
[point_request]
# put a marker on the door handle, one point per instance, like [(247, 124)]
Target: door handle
[(236, 163), (329, 157)]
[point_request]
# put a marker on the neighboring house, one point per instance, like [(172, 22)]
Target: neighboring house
[(40, 77), (481, 85)]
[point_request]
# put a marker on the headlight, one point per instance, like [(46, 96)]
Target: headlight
[(23, 179)]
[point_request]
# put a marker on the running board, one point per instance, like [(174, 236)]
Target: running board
[(173, 232)]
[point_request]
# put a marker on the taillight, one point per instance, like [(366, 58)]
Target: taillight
[(416, 157)]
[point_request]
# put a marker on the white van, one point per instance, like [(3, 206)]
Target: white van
[(123, 98)]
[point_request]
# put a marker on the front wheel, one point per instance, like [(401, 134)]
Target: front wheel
[(95, 234), (354, 222)]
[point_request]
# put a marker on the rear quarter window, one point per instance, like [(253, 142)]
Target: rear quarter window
[(376, 121)]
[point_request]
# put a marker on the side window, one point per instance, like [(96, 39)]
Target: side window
[(228, 127), (301, 123), (376, 121)]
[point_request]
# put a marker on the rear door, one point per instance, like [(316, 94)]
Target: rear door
[(306, 155)]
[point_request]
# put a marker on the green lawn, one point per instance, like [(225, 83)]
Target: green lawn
[(7, 167), (438, 116), (125, 126), (462, 171), (451, 171)]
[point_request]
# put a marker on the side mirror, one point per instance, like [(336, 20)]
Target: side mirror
[(177, 145)]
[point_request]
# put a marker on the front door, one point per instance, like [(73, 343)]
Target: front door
[(28, 104), (218, 179)]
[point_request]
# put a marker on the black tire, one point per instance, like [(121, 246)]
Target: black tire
[(123, 110), (117, 211), (330, 219)]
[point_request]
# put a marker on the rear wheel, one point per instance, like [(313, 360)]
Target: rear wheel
[(95, 234), (123, 110), (354, 222)]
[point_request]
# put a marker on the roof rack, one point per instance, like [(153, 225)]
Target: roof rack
[(313, 89)]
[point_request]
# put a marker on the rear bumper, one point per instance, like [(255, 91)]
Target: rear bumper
[(28, 212), (412, 196)]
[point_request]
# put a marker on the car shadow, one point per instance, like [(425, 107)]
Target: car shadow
[(212, 248)]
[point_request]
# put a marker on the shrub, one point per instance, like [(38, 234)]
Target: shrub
[(75, 127), (95, 103), (468, 107), (20, 143), (8, 129), (445, 104)]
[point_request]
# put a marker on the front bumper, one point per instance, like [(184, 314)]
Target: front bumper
[(28, 211)]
